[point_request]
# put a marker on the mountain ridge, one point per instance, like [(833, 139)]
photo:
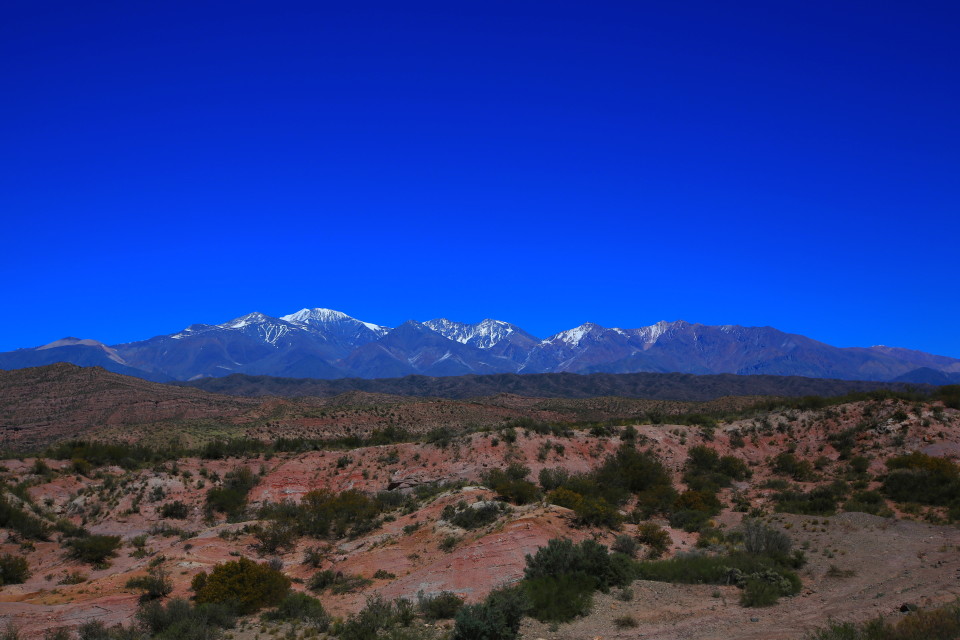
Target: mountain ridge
[(327, 344)]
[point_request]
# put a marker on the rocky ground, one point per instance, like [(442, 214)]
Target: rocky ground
[(859, 565)]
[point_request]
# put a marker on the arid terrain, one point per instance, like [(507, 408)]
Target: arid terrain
[(857, 565)]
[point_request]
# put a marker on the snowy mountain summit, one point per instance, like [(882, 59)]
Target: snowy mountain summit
[(485, 334)]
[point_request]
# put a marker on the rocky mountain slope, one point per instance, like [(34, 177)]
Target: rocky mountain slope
[(327, 344)]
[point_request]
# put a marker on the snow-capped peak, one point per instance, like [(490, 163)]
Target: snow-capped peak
[(652, 333), (574, 336), (241, 322), (321, 317), (484, 334), (269, 329)]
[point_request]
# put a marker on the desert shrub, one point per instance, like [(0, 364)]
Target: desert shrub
[(449, 543), (13, 570), (760, 539), (180, 620), (441, 606), (338, 583), (625, 544), (231, 498), (95, 550), (844, 442), (242, 584), (377, 616), (475, 516), (595, 496), (564, 497), (325, 514), (156, 584), (705, 501), (819, 501), (787, 464), (562, 556), (689, 520), (868, 502), (625, 622), (759, 593), (654, 537), (657, 499), (300, 607), (918, 477), (551, 479), (735, 568), (24, 523), (275, 536), (705, 470), (498, 617), (176, 510), (321, 580), (597, 512), (629, 471), (511, 484), (560, 598), (440, 437)]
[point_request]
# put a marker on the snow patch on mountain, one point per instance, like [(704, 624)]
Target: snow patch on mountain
[(320, 317), (573, 337), (485, 334)]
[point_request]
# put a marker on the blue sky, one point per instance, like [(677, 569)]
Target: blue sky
[(792, 164)]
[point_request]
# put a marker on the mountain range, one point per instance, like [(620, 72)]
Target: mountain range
[(327, 344)]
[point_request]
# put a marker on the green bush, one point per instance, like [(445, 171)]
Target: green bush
[(498, 617), (656, 500), (377, 616), (231, 498), (734, 568), (441, 606), (560, 598), (179, 620), (338, 583), (625, 544), (819, 501), (324, 514), (921, 478), (511, 484), (654, 537), (759, 593), (474, 516), (689, 520), (176, 510), (242, 584), (551, 479), (597, 512), (561, 556), (300, 607), (868, 502), (705, 470), (760, 539), (95, 550), (13, 570), (19, 520), (787, 464), (156, 584), (275, 536)]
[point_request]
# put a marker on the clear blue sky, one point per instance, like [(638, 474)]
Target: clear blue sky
[(792, 163)]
